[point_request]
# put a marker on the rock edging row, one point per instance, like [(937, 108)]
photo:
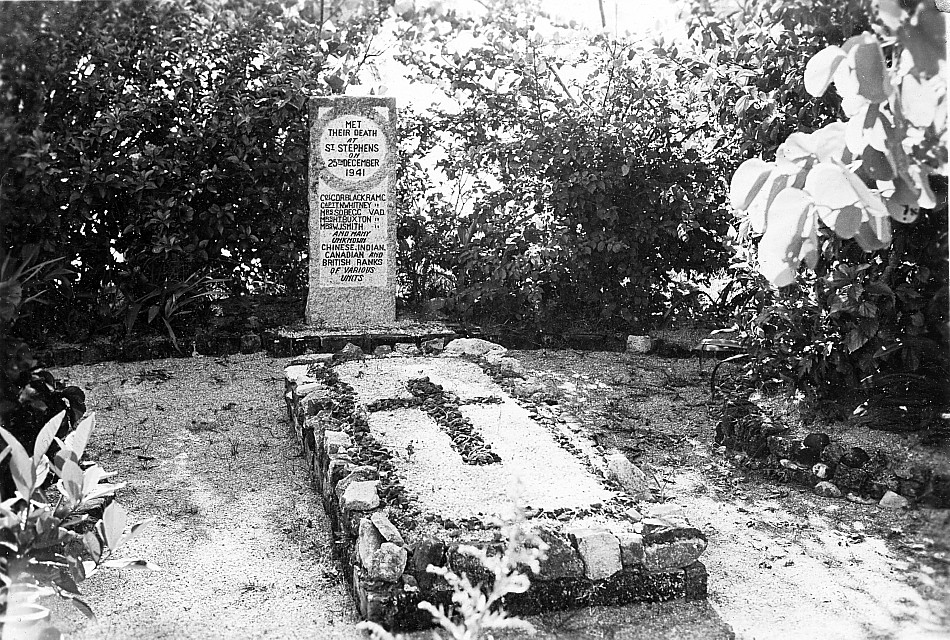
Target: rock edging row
[(830, 468), (386, 543)]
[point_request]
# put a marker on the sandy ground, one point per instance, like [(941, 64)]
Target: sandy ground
[(783, 563), (204, 446)]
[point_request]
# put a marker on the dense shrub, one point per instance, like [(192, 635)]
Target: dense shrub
[(749, 59), (153, 143), (571, 199), (853, 216)]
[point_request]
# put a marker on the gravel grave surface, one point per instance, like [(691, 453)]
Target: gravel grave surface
[(384, 378), (548, 476), (243, 543)]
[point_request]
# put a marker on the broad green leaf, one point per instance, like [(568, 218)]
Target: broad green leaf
[(83, 607), (873, 77), (93, 545), (92, 476), (21, 465), (747, 181), (829, 187), (45, 437), (874, 234), (844, 222), (821, 69), (919, 100), (876, 165), (758, 209), (868, 200), (780, 246), (77, 440), (809, 251), (825, 144), (925, 37), (901, 212), (866, 128), (114, 519), (70, 483)]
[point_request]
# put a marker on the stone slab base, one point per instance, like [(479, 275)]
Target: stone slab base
[(295, 341), (607, 554)]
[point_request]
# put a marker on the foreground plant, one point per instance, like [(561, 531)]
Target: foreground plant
[(48, 543), (478, 607), (853, 179)]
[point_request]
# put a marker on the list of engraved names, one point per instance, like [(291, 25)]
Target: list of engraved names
[(353, 211)]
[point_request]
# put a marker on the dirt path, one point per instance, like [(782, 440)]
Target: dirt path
[(244, 545), (240, 538), (783, 563)]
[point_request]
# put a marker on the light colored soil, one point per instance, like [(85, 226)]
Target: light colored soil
[(783, 563), (244, 544), (241, 539)]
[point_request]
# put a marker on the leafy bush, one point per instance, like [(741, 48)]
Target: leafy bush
[(49, 544), (29, 395), (145, 143), (748, 60), (571, 199), (862, 204)]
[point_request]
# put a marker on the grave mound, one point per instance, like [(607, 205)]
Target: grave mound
[(417, 456)]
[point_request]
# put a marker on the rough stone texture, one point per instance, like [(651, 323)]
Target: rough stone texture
[(475, 347), (332, 302), (508, 367), (312, 358), (639, 344), (361, 496), (388, 562), (631, 550), (822, 471), (298, 373), (849, 478), (306, 388), (562, 561), (425, 552), (526, 388), (336, 440), (316, 400), (827, 490), (386, 566), (435, 345), (368, 542), (600, 551), (382, 351), (387, 529), (630, 477), (353, 474), (672, 548), (349, 352), (407, 349), (891, 500), (831, 455)]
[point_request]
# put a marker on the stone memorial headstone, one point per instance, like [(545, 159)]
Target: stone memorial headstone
[(352, 220)]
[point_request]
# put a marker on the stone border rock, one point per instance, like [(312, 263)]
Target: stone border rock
[(386, 542), (831, 469)]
